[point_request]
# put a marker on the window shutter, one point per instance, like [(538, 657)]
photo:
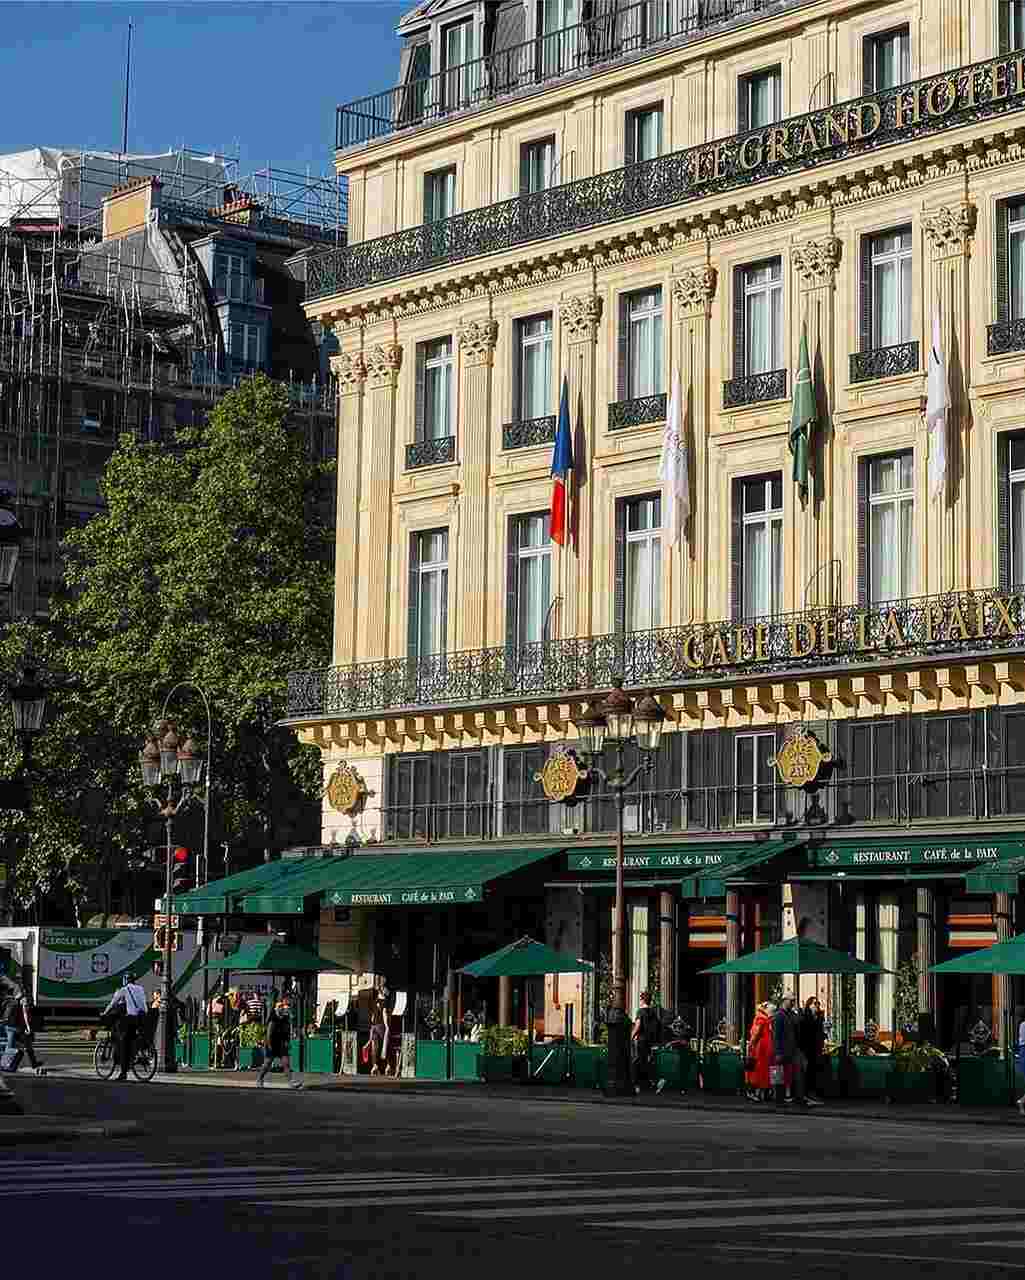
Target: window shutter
[(630, 142), (525, 169), (868, 57), (419, 409), (413, 602), (743, 105), (865, 294), (862, 526), (428, 197), (1004, 21), (517, 372), (512, 584), (623, 349), (1004, 512), (1000, 254), (444, 605), (737, 550), (739, 355), (619, 587)]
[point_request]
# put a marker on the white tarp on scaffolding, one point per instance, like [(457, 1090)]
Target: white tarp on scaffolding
[(50, 184)]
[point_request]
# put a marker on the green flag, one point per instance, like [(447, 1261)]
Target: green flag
[(803, 417)]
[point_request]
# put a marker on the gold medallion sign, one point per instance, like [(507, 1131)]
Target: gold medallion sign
[(560, 776), (799, 760), (346, 790)]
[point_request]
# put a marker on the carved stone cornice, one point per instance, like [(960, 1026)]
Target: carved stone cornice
[(949, 228), (816, 261), (350, 369), (477, 339), (580, 318), (383, 363), (694, 290)]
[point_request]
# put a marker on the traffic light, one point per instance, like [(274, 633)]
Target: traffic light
[(180, 871)]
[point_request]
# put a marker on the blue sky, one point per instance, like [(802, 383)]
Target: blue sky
[(260, 80)]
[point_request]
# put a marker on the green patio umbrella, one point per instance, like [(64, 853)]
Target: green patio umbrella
[(1001, 957), (276, 957), (525, 959), (797, 955)]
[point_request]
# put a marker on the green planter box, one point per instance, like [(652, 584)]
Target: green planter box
[(295, 1056), (590, 1066), (554, 1069), (465, 1060), (250, 1057), (910, 1086), (499, 1068), (200, 1058), (430, 1060), (983, 1082), (868, 1077), (679, 1069), (723, 1072), (828, 1079), (320, 1055)]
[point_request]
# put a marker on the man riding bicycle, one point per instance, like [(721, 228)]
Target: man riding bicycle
[(131, 1000)]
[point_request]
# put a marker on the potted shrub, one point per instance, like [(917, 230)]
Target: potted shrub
[(722, 1070), (913, 1073), (250, 1045), (503, 1054)]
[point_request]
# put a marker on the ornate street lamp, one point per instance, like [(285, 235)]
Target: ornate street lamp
[(28, 708), (172, 771), (618, 721)]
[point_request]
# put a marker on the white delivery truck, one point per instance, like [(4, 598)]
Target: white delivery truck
[(67, 968)]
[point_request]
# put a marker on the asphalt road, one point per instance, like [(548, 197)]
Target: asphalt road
[(273, 1183)]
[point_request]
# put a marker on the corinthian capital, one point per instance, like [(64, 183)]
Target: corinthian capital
[(383, 363), (949, 228), (581, 316), (695, 289), (477, 340), (816, 260), (350, 369)]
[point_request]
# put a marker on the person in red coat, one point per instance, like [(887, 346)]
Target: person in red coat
[(760, 1050)]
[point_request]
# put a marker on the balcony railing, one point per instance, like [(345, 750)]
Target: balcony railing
[(585, 47), (753, 388), (973, 794), (1004, 338), (637, 412), (530, 431), (671, 657), (884, 362), (862, 126), (430, 453)]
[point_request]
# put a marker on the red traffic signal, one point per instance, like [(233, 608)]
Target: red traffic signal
[(181, 855)]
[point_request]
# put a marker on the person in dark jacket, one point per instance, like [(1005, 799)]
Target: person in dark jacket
[(811, 1040), (786, 1051), (644, 1037), (279, 1036)]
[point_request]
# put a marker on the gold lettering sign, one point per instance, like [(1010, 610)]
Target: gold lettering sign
[(800, 759), (561, 775), (346, 791)]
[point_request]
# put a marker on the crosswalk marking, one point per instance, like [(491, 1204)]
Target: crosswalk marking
[(939, 1229), (554, 1193), (816, 1220), (650, 1206)]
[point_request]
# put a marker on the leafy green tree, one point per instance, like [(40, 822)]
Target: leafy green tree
[(210, 565)]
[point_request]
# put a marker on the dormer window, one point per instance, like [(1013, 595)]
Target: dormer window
[(461, 74), (229, 276)]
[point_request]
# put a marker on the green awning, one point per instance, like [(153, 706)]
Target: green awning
[(659, 857), (525, 959), (1001, 957), (796, 955), (276, 957), (892, 855), (749, 867), (996, 877), (397, 879), (219, 896)]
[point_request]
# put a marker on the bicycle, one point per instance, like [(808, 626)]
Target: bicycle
[(144, 1060)]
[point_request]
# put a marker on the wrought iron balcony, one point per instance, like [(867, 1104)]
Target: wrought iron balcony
[(922, 109), (528, 431), (1004, 338), (587, 46), (753, 388), (672, 657), (636, 412), (884, 362), (430, 453)]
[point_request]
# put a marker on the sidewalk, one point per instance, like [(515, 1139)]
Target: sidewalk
[(876, 1109)]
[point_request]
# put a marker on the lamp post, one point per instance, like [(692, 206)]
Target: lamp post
[(172, 770), (617, 721)]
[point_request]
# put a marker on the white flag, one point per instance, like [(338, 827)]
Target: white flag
[(674, 468), (936, 406)]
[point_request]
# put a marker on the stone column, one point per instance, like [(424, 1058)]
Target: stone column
[(667, 948), (477, 338), (350, 369), (504, 1001), (734, 1031), (637, 953), (925, 922), (1001, 981), (377, 470), (861, 951), (889, 921), (946, 525), (815, 262), (573, 577), (693, 291)]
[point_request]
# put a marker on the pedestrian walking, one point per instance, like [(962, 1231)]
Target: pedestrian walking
[(787, 1053), (758, 1066), (1021, 1063), (130, 1005), (378, 1029), (643, 1036), (279, 1035), (811, 1040), (10, 1020), (25, 1039)]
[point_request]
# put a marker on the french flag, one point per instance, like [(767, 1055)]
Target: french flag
[(562, 470)]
